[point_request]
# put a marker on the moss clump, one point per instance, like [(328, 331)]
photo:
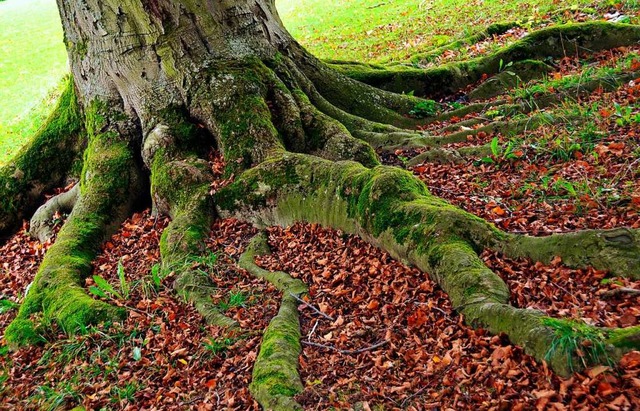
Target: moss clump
[(22, 332), (628, 338)]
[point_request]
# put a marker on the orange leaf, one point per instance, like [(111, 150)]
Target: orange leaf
[(211, 383), (373, 305), (604, 113), (499, 211), (417, 319)]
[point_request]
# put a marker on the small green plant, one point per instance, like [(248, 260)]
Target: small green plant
[(499, 153), (424, 108), (456, 105), (208, 260), (52, 399), (217, 347), (124, 394), (626, 115), (607, 281), (7, 305), (577, 340), (236, 299), (561, 184), (105, 290)]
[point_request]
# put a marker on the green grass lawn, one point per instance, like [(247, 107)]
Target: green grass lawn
[(32, 62), (383, 30)]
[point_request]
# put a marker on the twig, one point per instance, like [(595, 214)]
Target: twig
[(621, 290), (346, 352), (415, 394), (443, 312), (301, 301), (196, 399), (313, 330)]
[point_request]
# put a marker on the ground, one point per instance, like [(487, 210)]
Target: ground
[(388, 331)]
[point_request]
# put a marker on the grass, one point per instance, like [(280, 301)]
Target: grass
[(32, 62), (378, 31), (577, 339)]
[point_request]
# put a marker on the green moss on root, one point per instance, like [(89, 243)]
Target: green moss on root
[(541, 44), (275, 375), (108, 179), (43, 163), (393, 210)]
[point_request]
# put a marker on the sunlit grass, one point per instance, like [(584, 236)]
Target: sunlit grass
[(32, 62), (381, 30)]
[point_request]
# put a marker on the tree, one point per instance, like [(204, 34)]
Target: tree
[(156, 84)]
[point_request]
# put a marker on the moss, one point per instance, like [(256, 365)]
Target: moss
[(191, 174), (285, 390), (43, 163), (108, 177), (237, 96), (22, 332), (625, 338), (275, 376)]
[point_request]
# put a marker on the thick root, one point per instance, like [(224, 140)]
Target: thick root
[(189, 206), (43, 164), (356, 98), (41, 226), (109, 186), (329, 139), (393, 210), (439, 155), (556, 42), (616, 250), (275, 374)]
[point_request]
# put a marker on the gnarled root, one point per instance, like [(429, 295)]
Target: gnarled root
[(41, 225), (180, 188), (42, 164), (275, 374), (108, 189)]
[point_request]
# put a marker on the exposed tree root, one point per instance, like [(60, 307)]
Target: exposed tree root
[(557, 41), (275, 374), (173, 165), (43, 164), (109, 187), (439, 155), (495, 29), (41, 226), (393, 210)]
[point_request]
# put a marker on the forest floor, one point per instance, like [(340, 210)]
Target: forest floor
[(376, 334)]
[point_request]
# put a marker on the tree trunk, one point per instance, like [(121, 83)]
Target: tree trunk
[(162, 82)]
